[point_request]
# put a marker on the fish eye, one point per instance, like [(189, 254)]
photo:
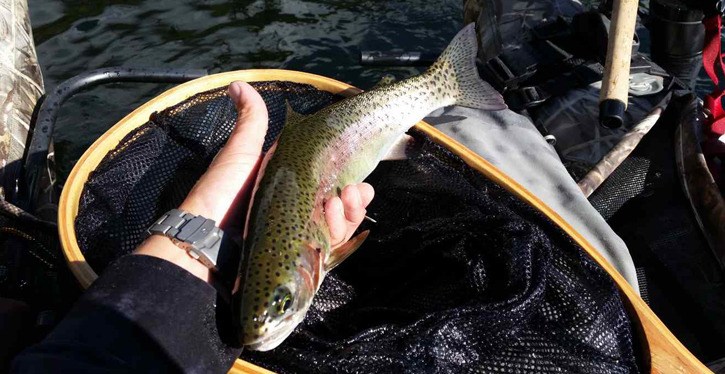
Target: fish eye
[(282, 300)]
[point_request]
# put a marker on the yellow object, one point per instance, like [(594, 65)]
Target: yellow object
[(615, 83), (666, 353)]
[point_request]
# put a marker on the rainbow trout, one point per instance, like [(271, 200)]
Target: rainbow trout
[(287, 247)]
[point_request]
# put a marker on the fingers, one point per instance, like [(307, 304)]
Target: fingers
[(345, 213), (352, 204), (366, 193), (335, 217)]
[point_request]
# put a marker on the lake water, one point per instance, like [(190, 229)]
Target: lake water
[(317, 36)]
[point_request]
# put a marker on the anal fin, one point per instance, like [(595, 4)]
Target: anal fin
[(339, 254), (399, 148)]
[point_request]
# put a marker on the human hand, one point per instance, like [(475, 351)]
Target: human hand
[(228, 182)]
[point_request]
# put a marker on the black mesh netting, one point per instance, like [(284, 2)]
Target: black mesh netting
[(457, 275)]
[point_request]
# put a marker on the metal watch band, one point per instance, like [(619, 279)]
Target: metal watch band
[(197, 235)]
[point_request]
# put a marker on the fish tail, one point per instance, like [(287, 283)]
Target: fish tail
[(455, 76)]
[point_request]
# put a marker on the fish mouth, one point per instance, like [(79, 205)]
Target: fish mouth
[(278, 331), (274, 339)]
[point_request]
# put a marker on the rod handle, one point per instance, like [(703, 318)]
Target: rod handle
[(615, 82)]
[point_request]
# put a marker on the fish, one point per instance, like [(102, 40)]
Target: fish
[(287, 251)]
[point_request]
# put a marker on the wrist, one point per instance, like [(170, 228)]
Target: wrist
[(199, 208), (188, 240), (162, 247)]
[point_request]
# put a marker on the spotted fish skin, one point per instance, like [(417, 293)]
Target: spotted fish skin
[(287, 242)]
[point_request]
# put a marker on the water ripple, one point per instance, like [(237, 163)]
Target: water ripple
[(317, 36)]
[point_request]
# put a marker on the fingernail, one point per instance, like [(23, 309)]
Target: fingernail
[(235, 89)]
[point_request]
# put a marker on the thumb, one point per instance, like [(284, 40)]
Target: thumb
[(247, 138), (232, 172)]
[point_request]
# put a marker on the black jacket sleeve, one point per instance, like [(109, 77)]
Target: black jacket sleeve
[(143, 314)]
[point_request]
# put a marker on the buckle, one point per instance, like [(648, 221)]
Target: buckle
[(499, 71), (512, 67), (551, 29), (524, 98)]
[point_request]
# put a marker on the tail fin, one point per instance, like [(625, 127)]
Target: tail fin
[(456, 71)]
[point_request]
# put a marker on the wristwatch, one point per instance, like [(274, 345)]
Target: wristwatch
[(198, 236)]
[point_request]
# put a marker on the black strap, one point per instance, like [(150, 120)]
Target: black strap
[(529, 96), (642, 282), (542, 66), (516, 64)]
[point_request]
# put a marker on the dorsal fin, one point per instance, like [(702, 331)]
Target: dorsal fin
[(292, 116)]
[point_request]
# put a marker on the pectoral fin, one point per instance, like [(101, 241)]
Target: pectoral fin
[(344, 251), (314, 259), (398, 150)]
